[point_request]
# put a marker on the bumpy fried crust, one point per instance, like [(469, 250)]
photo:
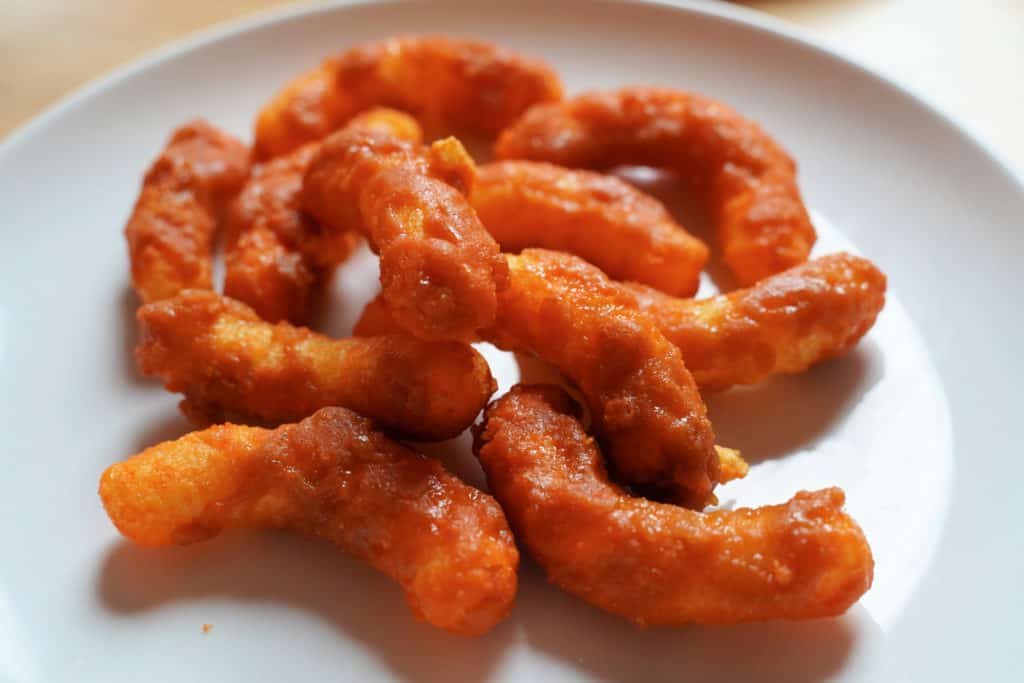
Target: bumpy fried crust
[(749, 180), (226, 361), (784, 324), (624, 232), (439, 268), (170, 232), (444, 82), (447, 544), (388, 121), (655, 563), (644, 402), (731, 464), (376, 319), (277, 257)]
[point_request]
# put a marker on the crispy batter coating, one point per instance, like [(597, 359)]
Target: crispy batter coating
[(277, 257), (333, 476), (731, 464), (439, 267), (171, 230), (388, 121), (444, 82), (226, 361), (748, 179), (621, 230), (654, 563), (784, 324), (643, 400), (376, 319)]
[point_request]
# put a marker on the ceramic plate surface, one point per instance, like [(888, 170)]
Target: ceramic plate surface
[(919, 425)]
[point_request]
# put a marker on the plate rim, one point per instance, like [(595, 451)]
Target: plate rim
[(738, 17)]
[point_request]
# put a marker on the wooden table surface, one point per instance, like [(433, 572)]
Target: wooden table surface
[(966, 57)]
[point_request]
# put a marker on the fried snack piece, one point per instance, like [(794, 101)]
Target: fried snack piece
[(731, 464), (654, 563), (621, 230), (784, 324), (643, 400), (333, 476), (170, 232), (388, 121), (439, 267), (376, 319), (278, 258), (226, 361), (444, 82), (748, 179)]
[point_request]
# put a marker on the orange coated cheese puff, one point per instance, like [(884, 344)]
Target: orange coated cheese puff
[(655, 563), (278, 258), (783, 324), (440, 269), (606, 221), (644, 402), (444, 82), (171, 230), (227, 361), (332, 475), (748, 179)]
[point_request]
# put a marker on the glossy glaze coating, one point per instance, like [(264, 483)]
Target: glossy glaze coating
[(748, 179), (439, 267), (606, 221), (783, 324), (643, 400), (654, 563), (333, 476), (443, 82), (227, 361), (173, 224), (277, 257)]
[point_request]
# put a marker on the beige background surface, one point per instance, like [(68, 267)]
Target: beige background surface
[(966, 57)]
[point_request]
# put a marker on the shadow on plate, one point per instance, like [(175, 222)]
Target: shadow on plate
[(364, 605), (368, 608), (457, 457), (129, 303), (608, 648), (172, 425), (783, 415), (533, 370), (792, 412), (666, 187)]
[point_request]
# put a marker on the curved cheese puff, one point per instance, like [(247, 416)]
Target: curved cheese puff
[(654, 563), (227, 361), (606, 221), (171, 230), (783, 324), (749, 180), (643, 400), (440, 269), (444, 82), (277, 257), (333, 476)]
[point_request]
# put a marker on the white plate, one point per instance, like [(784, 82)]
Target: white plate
[(918, 425)]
